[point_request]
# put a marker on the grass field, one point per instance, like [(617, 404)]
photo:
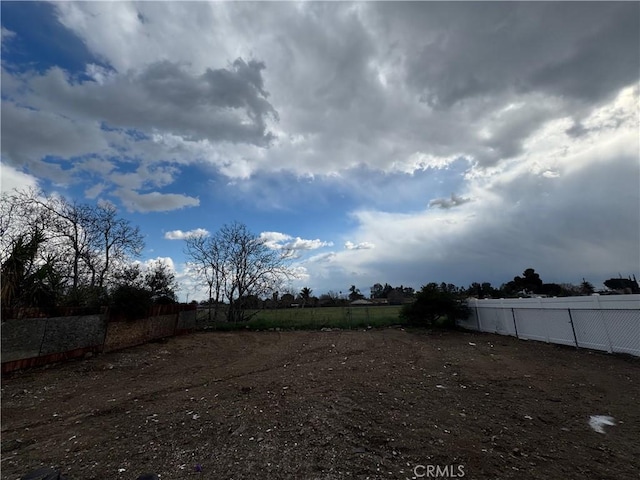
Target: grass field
[(317, 318)]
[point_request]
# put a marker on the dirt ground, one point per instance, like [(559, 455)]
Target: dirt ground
[(327, 405)]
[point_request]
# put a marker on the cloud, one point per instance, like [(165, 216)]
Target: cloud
[(522, 217), (291, 246), (226, 104), (374, 109), (94, 191), (29, 135), (446, 203), (153, 262), (12, 178), (352, 84), (273, 239), (7, 34), (479, 52), (55, 119), (154, 201), (180, 235), (321, 258), (359, 246), (304, 244)]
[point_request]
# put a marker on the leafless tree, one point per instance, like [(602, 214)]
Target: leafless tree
[(113, 240), (236, 264), (81, 242), (205, 256)]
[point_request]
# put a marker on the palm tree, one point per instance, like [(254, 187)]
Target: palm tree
[(305, 295), (355, 293), (25, 282)]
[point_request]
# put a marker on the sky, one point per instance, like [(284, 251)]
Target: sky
[(383, 142)]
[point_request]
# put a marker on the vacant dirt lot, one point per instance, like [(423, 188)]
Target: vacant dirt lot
[(327, 405)]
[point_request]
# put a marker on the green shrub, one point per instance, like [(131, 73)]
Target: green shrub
[(130, 302), (435, 307)]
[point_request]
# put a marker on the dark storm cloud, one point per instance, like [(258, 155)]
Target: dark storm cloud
[(603, 61), (227, 104), (29, 136), (459, 50), (447, 203)]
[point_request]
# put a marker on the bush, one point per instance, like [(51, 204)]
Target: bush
[(435, 307), (130, 302)]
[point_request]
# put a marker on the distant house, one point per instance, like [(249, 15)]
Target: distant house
[(362, 301), (379, 301), (398, 297)]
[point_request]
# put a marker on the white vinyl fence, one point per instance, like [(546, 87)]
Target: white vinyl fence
[(608, 322)]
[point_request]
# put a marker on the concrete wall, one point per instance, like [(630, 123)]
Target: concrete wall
[(128, 334), (37, 341), (22, 338), (69, 333)]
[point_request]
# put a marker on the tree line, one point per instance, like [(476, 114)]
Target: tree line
[(527, 284), (59, 253)]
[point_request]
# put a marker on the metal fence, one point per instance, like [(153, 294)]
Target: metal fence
[(609, 323)]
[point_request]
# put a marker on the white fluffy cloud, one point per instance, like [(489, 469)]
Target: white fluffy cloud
[(11, 178), (291, 246), (180, 235), (359, 246)]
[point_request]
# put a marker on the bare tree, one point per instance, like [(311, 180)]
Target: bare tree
[(113, 240), (235, 264), (206, 258), (81, 242)]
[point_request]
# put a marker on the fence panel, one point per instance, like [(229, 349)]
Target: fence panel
[(22, 338), (530, 325), (496, 320), (488, 319), (552, 326), (590, 330), (607, 323), (609, 330), (70, 333), (623, 327)]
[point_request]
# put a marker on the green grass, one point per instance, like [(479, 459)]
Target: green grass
[(317, 318)]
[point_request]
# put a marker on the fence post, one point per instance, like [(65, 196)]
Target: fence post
[(105, 321), (175, 325), (515, 326), (575, 338), (44, 334)]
